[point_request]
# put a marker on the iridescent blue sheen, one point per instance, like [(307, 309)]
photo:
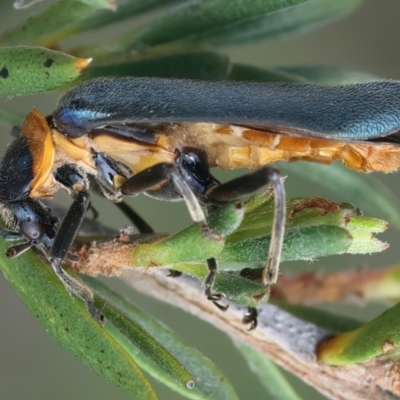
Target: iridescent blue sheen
[(350, 112)]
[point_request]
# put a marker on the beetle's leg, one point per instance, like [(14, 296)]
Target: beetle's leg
[(16, 250), (61, 245), (10, 235), (157, 175), (251, 318), (209, 282), (153, 178), (107, 182), (251, 183), (76, 184)]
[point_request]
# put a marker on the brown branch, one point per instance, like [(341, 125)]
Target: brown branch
[(289, 341), (355, 285)]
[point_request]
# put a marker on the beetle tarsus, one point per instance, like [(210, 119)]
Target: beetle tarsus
[(77, 288), (251, 318), (209, 283), (173, 274), (18, 249)]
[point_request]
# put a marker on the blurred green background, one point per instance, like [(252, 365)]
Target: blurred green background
[(33, 366)]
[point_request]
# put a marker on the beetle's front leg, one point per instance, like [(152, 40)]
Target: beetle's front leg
[(77, 186), (249, 184)]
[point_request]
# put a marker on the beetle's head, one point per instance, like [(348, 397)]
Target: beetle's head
[(24, 214)]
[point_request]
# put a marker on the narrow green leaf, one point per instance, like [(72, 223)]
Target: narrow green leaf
[(43, 28), (328, 75), (191, 244), (210, 383), (366, 191), (27, 70), (131, 9), (220, 21), (377, 337), (66, 319), (315, 227), (269, 374), (193, 65), (290, 20), (149, 347), (301, 243), (242, 72)]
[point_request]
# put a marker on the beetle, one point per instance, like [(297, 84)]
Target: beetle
[(160, 137)]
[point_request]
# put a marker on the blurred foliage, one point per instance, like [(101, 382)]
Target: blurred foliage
[(182, 42)]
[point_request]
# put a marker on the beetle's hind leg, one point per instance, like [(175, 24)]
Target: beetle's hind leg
[(251, 318), (246, 185)]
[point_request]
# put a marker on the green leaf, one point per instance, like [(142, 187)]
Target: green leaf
[(220, 21), (288, 19), (43, 28), (125, 330), (242, 72), (27, 70), (193, 65), (366, 191), (210, 383), (191, 244), (315, 227), (377, 337), (328, 75), (133, 8), (268, 373), (66, 319), (302, 243)]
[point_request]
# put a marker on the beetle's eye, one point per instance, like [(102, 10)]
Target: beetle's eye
[(32, 230)]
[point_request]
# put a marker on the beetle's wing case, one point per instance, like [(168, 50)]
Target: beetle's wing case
[(350, 112)]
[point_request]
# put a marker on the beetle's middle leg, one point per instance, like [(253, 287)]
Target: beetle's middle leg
[(168, 181), (156, 181)]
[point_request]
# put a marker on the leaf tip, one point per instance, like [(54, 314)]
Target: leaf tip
[(82, 63)]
